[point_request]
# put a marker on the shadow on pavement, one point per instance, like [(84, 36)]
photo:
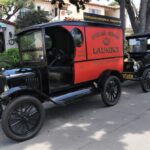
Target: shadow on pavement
[(89, 125)]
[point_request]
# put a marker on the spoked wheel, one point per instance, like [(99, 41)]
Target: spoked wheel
[(145, 82), (23, 118), (111, 91)]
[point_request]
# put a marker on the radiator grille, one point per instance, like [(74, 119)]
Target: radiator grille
[(33, 82)]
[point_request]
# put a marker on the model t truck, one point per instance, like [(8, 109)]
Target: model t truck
[(137, 60), (60, 62)]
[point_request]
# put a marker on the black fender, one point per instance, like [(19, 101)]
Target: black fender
[(146, 67), (142, 70), (108, 73), (7, 96)]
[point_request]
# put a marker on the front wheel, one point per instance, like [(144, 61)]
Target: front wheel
[(111, 91), (23, 118)]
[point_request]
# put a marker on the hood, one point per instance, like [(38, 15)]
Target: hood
[(14, 73), (19, 77)]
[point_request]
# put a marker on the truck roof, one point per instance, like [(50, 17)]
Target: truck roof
[(138, 36), (69, 23)]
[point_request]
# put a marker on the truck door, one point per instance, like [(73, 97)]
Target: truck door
[(78, 34)]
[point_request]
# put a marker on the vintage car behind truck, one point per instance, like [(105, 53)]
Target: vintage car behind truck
[(60, 62), (137, 60)]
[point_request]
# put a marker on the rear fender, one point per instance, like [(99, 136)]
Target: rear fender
[(106, 74), (7, 96)]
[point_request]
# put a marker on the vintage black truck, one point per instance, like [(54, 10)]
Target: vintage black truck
[(137, 60)]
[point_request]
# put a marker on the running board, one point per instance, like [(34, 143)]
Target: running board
[(72, 96)]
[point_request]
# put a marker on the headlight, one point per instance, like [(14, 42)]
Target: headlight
[(6, 88), (136, 66)]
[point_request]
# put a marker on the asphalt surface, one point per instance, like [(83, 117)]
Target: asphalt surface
[(89, 125)]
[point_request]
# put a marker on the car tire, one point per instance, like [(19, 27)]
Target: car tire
[(145, 82), (111, 91), (1, 110), (23, 118)]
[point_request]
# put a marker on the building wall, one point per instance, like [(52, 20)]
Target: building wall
[(9, 29), (46, 6), (113, 12), (89, 9)]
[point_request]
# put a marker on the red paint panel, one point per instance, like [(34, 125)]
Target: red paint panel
[(91, 70), (104, 51), (104, 42), (80, 54)]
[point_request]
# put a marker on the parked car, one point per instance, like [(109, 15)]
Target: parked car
[(137, 60), (61, 62)]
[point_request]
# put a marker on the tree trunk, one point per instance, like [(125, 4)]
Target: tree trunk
[(132, 16), (143, 16), (12, 14), (148, 18)]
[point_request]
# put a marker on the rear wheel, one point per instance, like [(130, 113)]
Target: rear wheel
[(111, 91), (145, 82), (23, 118)]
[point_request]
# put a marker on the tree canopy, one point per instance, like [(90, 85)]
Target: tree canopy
[(11, 7), (31, 18)]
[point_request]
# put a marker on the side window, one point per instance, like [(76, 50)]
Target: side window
[(48, 42), (77, 36)]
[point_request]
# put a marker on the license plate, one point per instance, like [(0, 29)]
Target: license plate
[(128, 76)]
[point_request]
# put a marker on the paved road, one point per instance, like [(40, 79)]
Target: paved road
[(88, 125)]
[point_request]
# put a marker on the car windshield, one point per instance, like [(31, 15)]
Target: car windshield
[(31, 46), (138, 44)]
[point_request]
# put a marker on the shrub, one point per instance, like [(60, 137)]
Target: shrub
[(10, 58)]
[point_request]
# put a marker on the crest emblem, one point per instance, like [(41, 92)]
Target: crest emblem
[(106, 41)]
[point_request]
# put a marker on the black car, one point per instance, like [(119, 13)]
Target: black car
[(137, 60)]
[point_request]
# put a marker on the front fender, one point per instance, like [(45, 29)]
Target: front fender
[(22, 90)]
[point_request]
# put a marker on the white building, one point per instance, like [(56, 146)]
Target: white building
[(7, 37), (94, 9)]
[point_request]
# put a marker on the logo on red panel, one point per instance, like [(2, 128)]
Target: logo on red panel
[(106, 41)]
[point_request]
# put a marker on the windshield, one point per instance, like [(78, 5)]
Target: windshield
[(138, 44), (31, 46)]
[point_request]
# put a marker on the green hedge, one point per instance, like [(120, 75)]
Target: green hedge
[(10, 58)]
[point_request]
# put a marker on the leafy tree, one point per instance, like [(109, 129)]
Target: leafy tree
[(11, 7), (31, 18)]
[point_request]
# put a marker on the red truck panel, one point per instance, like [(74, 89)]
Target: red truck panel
[(91, 70), (104, 42), (104, 52)]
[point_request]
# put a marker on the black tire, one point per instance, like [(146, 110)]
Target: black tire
[(111, 91), (145, 82), (1, 110), (23, 118)]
